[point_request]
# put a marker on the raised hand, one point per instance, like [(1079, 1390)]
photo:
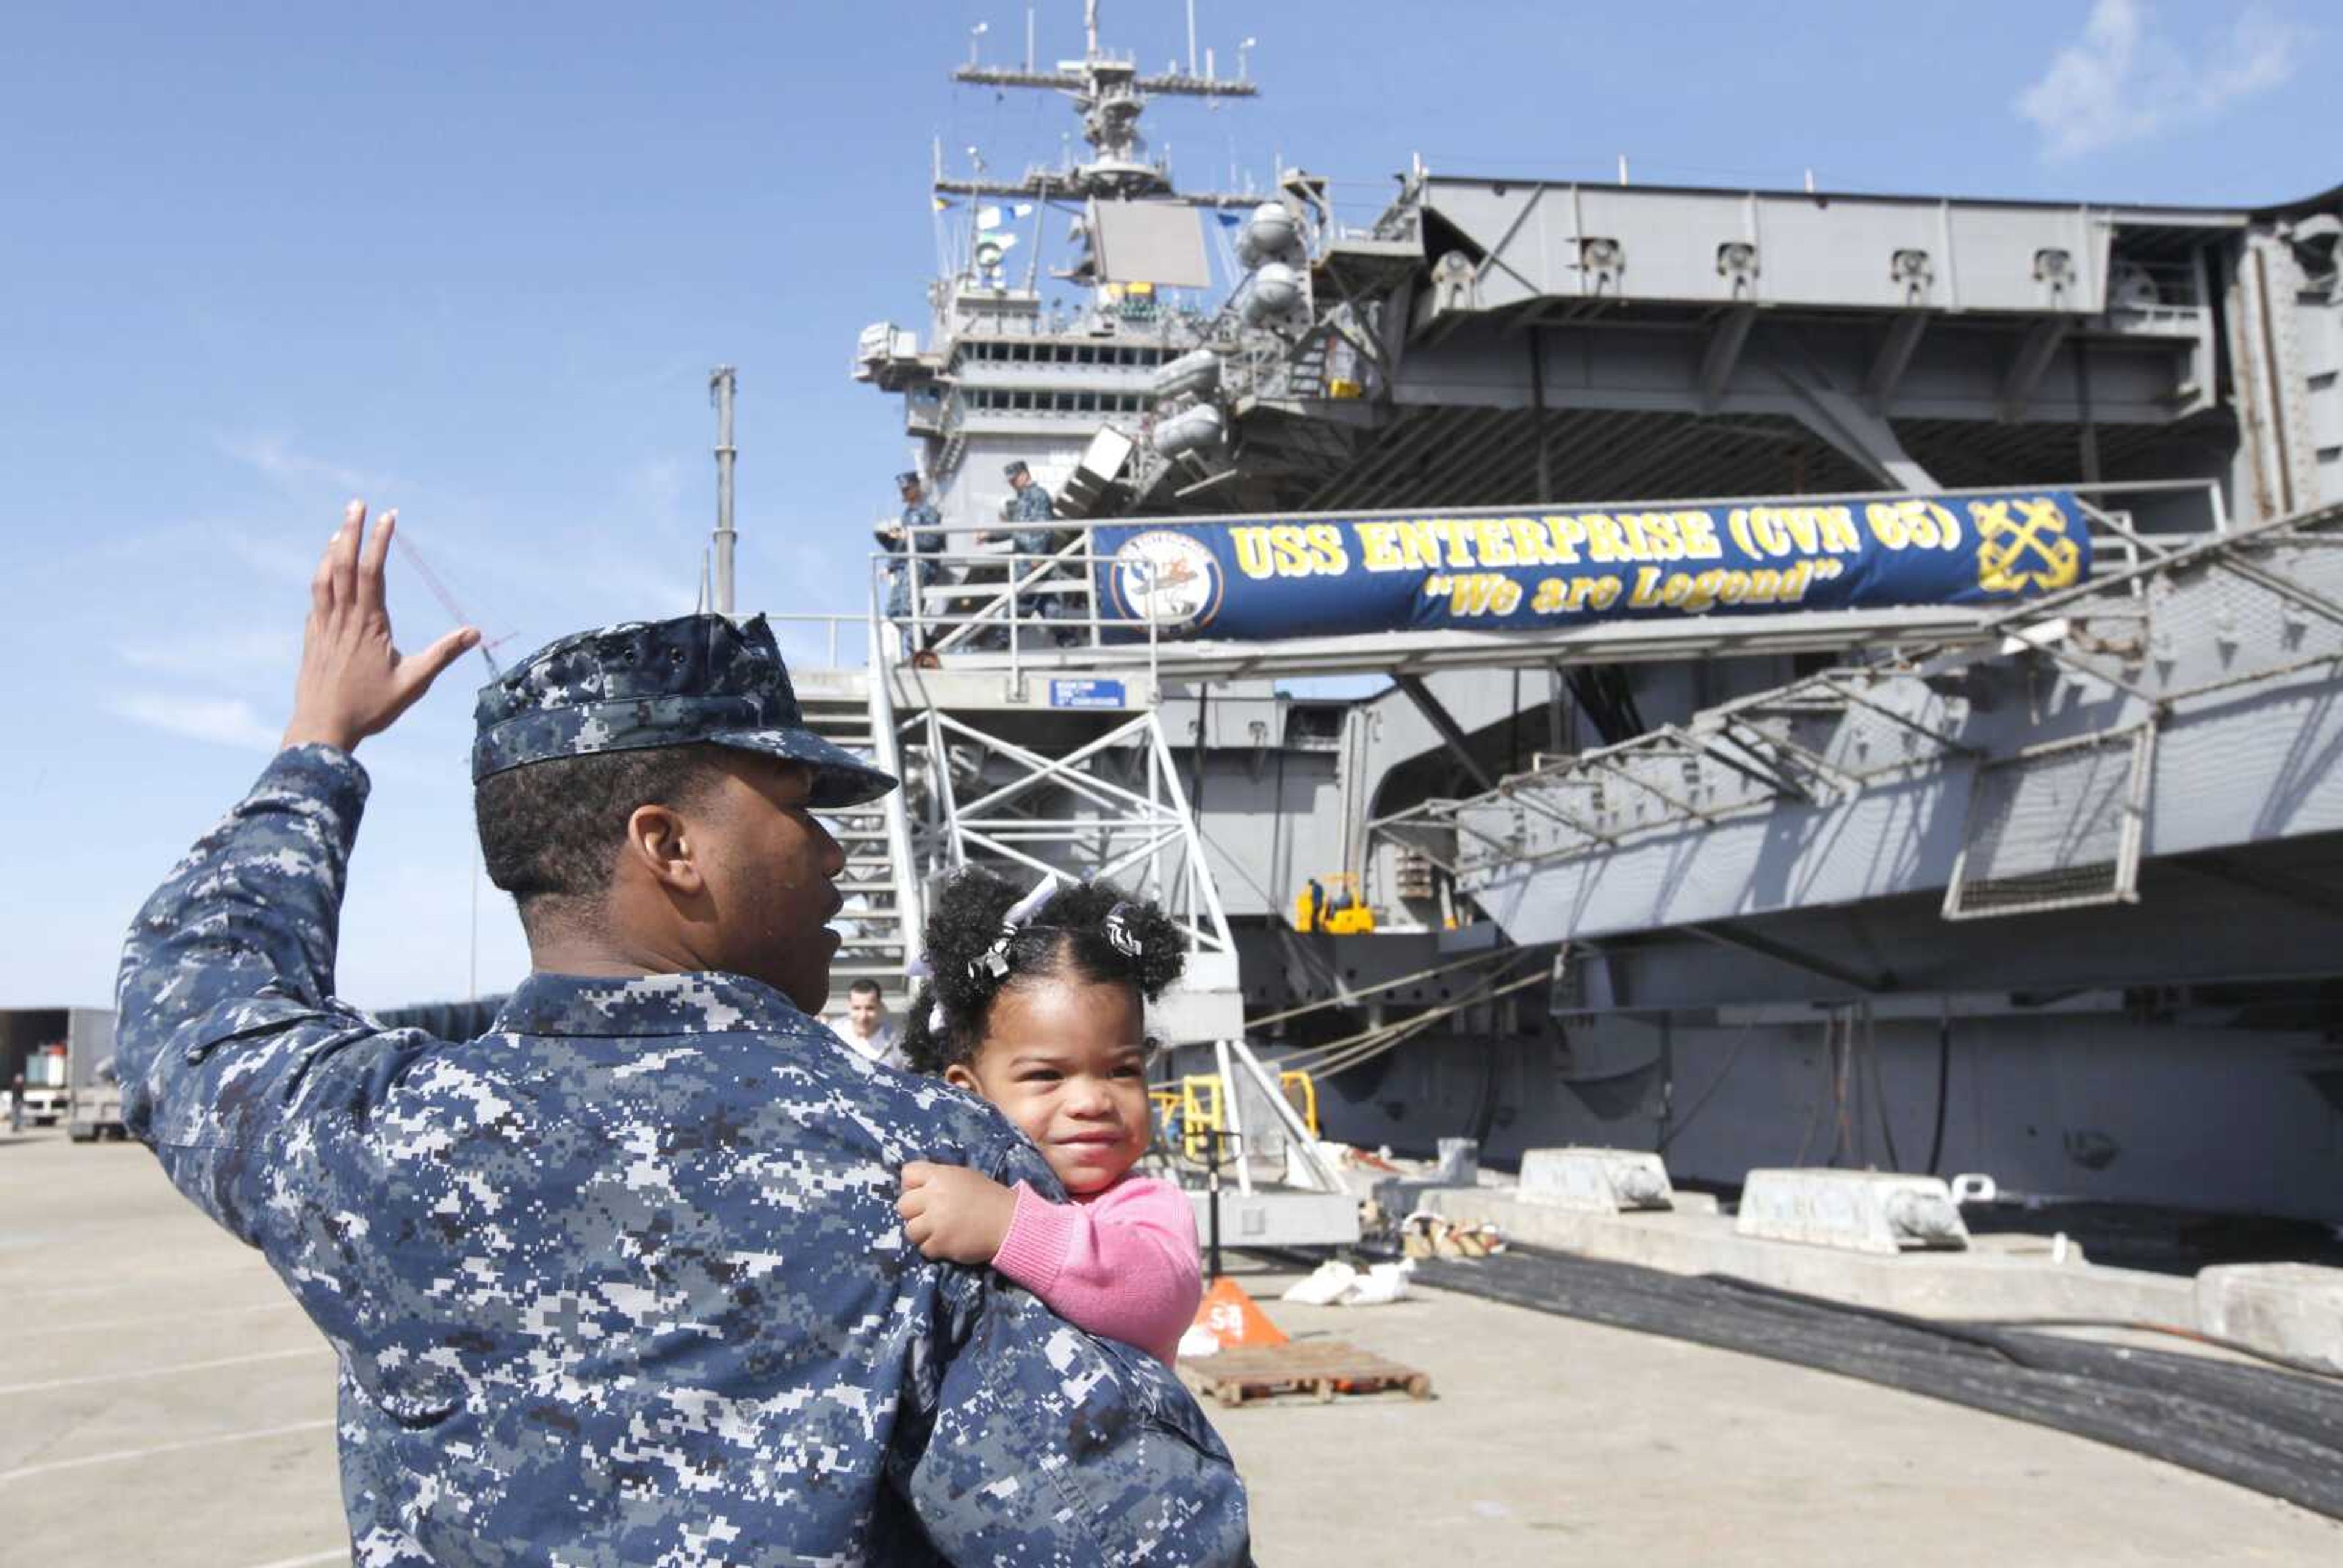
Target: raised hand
[(354, 681)]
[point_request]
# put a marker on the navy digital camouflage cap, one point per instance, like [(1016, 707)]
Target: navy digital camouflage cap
[(642, 684)]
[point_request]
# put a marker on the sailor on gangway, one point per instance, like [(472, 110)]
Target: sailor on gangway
[(903, 538)]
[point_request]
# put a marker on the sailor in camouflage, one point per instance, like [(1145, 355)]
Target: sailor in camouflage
[(622, 1282), (1029, 503), (903, 540)]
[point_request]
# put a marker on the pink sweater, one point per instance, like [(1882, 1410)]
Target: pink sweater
[(1121, 1263)]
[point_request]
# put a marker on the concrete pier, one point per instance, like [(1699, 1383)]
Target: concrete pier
[(162, 1403)]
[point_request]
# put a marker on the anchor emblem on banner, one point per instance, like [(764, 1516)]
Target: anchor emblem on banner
[(2031, 549)]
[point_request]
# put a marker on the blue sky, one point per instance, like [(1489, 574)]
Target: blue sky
[(475, 261)]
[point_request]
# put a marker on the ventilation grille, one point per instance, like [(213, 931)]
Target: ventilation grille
[(2056, 827)]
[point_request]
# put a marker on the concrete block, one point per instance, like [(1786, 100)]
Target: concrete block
[(2001, 1279), (1858, 1210), (1282, 1218), (1459, 1166), (2292, 1310), (1595, 1181), (1460, 1162)]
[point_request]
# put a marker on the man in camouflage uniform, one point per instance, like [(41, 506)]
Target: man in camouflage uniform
[(622, 1282), (1032, 506), (905, 575)]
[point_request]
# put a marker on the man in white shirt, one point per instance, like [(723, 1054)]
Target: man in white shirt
[(866, 1027)]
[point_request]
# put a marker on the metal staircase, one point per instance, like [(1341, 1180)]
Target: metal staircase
[(838, 708), (996, 775)]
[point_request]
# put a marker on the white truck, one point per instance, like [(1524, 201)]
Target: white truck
[(65, 1057), (95, 1108)]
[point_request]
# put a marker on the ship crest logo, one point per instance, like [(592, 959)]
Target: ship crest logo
[(2024, 543), (1172, 579)]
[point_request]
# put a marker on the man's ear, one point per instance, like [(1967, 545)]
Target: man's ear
[(662, 845)]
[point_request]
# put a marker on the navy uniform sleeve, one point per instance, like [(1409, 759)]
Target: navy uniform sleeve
[(225, 999), (1034, 506), (926, 517), (1050, 1446)]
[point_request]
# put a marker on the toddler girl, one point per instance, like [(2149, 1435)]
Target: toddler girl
[(1037, 1004)]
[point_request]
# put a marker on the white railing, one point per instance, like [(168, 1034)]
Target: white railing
[(1006, 603), (835, 630), (910, 901)]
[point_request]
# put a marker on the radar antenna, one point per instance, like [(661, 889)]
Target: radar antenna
[(1110, 95)]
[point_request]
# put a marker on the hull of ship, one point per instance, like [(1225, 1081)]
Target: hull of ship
[(2089, 1107)]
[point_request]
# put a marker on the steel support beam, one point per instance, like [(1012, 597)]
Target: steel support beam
[(1791, 958), (1887, 366), (1844, 421), (2033, 357), (1441, 719), (1726, 340), (2269, 883)]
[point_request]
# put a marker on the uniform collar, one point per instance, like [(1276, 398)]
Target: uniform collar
[(696, 1002)]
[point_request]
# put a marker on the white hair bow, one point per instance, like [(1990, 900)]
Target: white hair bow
[(994, 960)]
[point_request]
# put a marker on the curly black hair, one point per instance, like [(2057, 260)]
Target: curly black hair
[(1069, 937)]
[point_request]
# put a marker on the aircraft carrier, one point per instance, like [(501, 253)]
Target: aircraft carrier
[(2038, 883)]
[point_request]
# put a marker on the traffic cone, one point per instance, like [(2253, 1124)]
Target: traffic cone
[(1236, 1319)]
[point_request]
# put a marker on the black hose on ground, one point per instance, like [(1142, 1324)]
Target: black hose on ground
[(2276, 1433), (1944, 1083), (1994, 1333)]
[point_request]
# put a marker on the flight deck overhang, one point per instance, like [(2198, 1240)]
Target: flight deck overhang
[(1560, 338), (1495, 243)]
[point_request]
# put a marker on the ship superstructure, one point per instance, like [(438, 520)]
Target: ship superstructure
[(2034, 888), (1027, 361)]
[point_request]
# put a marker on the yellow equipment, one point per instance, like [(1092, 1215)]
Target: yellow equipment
[(1163, 1106), (1342, 913), (1199, 1114), (1200, 1101), (1301, 1092)]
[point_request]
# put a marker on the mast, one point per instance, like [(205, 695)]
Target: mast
[(1110, 95), (720, 384)]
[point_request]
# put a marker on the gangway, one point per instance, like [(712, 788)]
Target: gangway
[(2027, 771), (1029, 729), (1031, 616), (1026, 719)]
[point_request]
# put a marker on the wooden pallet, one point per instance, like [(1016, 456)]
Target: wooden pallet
[(1324, 1368)]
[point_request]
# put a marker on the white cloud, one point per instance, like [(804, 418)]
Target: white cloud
[(168, 553), (222, 720), (275, 460), (2126, 81), (246, 651), (281, 560)]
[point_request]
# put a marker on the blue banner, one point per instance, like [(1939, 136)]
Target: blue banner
[(1263, 577)]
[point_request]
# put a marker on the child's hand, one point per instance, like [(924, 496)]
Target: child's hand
[(954, 1214)]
